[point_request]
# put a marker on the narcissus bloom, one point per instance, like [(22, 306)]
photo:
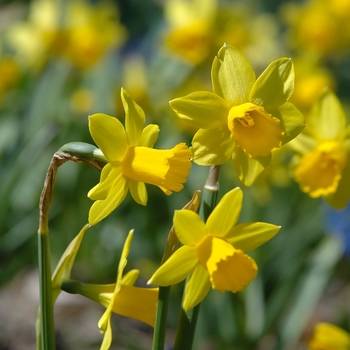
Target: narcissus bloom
[(329, 337), (213, 253), (323, 151), (131, 160), (243, 119), (121, 297)]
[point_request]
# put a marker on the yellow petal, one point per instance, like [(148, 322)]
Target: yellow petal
[(134, 118), (248, 169), (197, 288), (232, 76), (102, 208), (130, 277), (275, 84), (137, 303), (176, 268), (340, 198), (202, 109), (293, 122), (254, 130), (329, 337), (189, 227), (138, 191), (327, 117), (109, 135), (225, 215), (249, 236), (167, 169), (106, 328), (212, 147), (229, 268), (108, 175), (149, 136), (319, 171)]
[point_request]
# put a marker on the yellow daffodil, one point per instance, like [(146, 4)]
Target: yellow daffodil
[(323, 151), (244, 119), (213, 253), (121, 297), (329, 337), (131, 160)]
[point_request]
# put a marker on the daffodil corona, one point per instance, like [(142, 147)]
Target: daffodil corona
[(323, 150), (329, 337), (132, 161), (243, 119), (213, 253)]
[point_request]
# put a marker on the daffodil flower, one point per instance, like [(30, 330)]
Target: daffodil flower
[(244, 118), (213, 253), (329, 337), (323, 152), (121, 297), (131, 160)]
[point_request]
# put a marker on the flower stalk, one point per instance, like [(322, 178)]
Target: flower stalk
[(188, 319)]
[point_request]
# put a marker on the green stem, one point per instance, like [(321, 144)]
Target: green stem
[(161, 318), (188, 319), (164, 292), (47, 329)]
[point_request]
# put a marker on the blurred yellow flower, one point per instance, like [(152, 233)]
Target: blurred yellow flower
[(244, 118), (323, 150), (318, 26), (329, 337), (213, 253), (79, 31), (131, 160), (121, 297), (191, 24), (9, 74)]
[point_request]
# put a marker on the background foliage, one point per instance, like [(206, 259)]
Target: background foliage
[(47, 90)]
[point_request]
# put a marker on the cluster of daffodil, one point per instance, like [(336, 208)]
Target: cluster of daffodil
[(243, 120)]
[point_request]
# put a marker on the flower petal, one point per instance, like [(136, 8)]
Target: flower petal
[(232, 76), (248, 169), (234, 272), (197, 288), (211, 147), (109, 135), (340, 198), (225, 215), (108, 174), (138, 191), (249, 236), (102, 208), (134, 118), (275, 85), (302, 144), (327, 117), (202, 109), (130, 277), (176, 268), (292, 120), (189, 227), (137, 303), (149, 136), (319, 172), (105, 326), (254, 130)]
